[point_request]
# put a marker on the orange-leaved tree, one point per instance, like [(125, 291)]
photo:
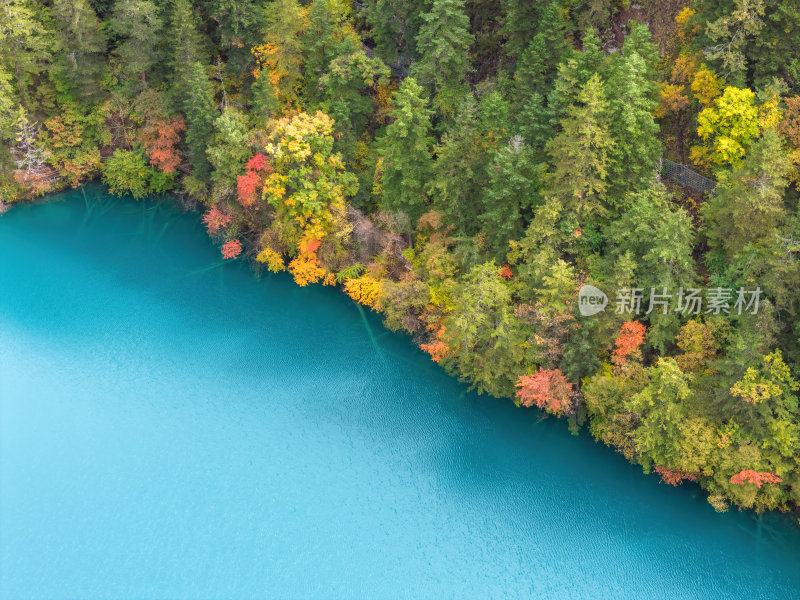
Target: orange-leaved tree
[(628, 342), (161, 139), (548, 389), (674, 476), (214, 220), (231, 249), (758, 478), (437, 348)]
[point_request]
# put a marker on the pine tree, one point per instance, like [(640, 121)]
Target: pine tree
[(101, 7), (484, 333), (750, 229), (81, 45), (10, 114), (640, 41), (659, 235), (511, 196), (404, 153), (575, 72), (748, 208), (200, 115), (443, 44), (9, 106), (522, 17), (633, 127), (138, 25), (395, 25), (186, 47), (538, 61), (329, 35), (533, 121), (345, 89), (671, 433), (281, 56), (580, 154), (239, 24), (775, 54), (729, 34), (264, 100), (461, 172), (541, 110), (485, 17), (766, 402), (650, 245)]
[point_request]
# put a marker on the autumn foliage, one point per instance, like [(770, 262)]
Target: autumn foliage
[(547, 389), (437, 348), (628, 342), (272, 259), (751, 476), (215, 220), (505, 272), (231, 249), (308, 245), (257, 163), (308, 185), (674, 476), (161, 140), (305, 269), (247, 185), (37, 183), (365, 290)]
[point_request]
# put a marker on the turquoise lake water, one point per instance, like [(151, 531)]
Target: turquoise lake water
[(173, 427)]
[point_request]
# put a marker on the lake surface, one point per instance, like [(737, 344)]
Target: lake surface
[(173, 427)]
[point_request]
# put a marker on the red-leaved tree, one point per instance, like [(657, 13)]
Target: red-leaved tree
[(215, 220), (628, 342), (257, 163), (548, 389), (231, 249), (751, 476), (247, 185)]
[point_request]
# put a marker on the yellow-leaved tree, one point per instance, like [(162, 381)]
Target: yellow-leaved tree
[(307, 191), (730, 123)]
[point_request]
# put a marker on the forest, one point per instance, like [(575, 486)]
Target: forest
[(465, 168)]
